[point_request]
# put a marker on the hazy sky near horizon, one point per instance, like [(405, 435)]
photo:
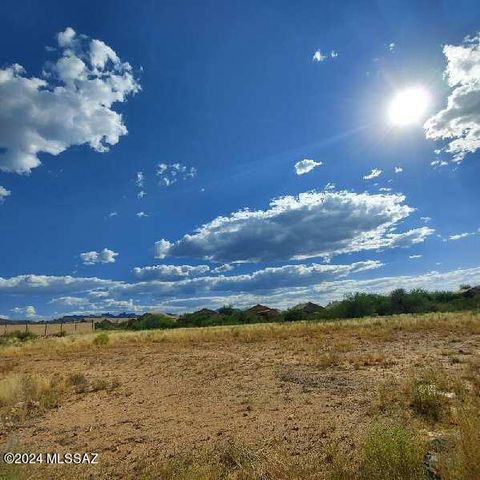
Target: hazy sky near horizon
[(163, 155)]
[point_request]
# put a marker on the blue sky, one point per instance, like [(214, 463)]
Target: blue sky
[(174, 155)]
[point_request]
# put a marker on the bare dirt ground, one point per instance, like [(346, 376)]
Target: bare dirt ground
[(297, 391)]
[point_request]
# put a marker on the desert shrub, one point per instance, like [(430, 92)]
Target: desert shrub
[(101, 339), (26, 392), (426, 397), (391, 452), (21, 335), (461, 460), (78, 381)]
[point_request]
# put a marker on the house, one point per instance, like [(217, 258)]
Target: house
[(263, 311), (308, 307)]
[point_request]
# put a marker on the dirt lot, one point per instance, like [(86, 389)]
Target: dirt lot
[(298, 389)]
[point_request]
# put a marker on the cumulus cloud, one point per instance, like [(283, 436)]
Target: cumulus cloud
[(459, 122), (142, 215), (305, 166), (398, 169), (170, 173), (48, 284), (373, 174), (27, 312), (4, 193), (70, 105), (318, 56), (104, 256), (312, 224), (413, 257), (170, 272)]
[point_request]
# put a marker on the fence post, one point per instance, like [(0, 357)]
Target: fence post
[(93, 325), (74, 325), (26, 326)]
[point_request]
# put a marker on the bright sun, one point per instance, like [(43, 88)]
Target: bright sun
[(409, 106)]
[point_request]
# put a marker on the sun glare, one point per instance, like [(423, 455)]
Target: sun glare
[(409, 106)]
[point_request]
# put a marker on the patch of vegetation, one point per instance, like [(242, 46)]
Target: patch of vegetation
[(22, 394), (461, 460), (426, 397), (392, 451), (101, 339), (79, 382)]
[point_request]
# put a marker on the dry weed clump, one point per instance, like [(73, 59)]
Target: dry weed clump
[(461, 459), (21, 395), (81, 384)]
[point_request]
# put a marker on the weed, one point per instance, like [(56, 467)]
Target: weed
[(101, 339), (391, 452), (79, 382)]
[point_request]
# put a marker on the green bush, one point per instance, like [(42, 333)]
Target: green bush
[(392, 452), (426, 398), (150, 321)]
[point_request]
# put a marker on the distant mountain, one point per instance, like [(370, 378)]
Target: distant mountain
[(79, 318)]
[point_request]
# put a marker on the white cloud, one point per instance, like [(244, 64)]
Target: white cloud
[(312, 224), (27, 312), (139, 180), (46, 284), (460, 236), (170, 273), (412, 257), (141, 194), (426, 219), (142, 214), (70, 105), (170, 173), (319, 57), (329, 187), (104, 256), (4, 193), (112, 214), (391, 46), (373, 174), (438, 163), (459, 122), (223, 268), (398, 169), (306, 165), (385, 189)]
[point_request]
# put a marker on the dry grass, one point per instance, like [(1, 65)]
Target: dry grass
[(376, 328), (22, 395)]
